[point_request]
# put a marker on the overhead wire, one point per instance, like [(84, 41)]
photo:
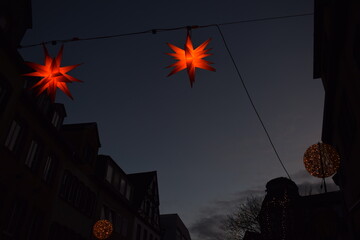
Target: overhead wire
[(251, 102), (154, 31), (157, 30)]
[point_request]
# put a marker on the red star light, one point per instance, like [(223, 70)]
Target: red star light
[(53, 76), (190, 58)]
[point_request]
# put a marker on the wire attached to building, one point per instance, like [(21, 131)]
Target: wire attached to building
[(154, 31), (251, 101)]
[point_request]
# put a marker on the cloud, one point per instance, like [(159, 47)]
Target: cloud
[(209, 227)]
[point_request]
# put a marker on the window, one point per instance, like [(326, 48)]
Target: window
[(32, 155), (43, 103), (104, 212), (128, 192), (116, 179), (124, 227), (79, 195), (15, 218), (35, 227), (65, 183), (48, 169), (122, 186), (145, 234), (89, 155), (138, 232), (4, 92), (73, 189), (55, 119), (109, 173), (13, 136), (118, 223), (90, 203)]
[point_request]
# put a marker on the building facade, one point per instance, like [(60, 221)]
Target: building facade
[(337, 63), (173, 228)]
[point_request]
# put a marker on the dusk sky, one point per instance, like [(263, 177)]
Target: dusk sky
[(205, 142)]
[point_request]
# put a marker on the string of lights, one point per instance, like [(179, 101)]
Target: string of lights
[(158, 30), (154, 31)]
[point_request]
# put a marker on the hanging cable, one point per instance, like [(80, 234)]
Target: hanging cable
[(252, 103), (154, 31)]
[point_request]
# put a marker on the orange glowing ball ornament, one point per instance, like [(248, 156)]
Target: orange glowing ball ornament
[(102, 229), (321, 160), (190, 58), (53, 76)]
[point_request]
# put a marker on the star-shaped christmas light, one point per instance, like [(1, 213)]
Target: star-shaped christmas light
[(190, 58), (53, 76)]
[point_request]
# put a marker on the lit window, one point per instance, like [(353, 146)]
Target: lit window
[(31, 156), (13, 136), (109, 173)]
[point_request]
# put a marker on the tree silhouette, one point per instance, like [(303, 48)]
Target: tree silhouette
[(244, 218)]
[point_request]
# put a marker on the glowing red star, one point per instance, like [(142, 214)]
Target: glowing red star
[(53, 76), (190, 58)]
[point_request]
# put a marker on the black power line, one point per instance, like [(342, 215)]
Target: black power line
[(157, 30), (154, 31), (252, 103)]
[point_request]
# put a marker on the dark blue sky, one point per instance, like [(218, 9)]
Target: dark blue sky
[(206, 142)]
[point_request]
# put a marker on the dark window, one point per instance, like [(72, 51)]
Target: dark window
[(15, 219), (357, 46), (35, 227), (55, 119), (73, 188), (65, 185), (124, 227), (33, 155), (91, 203), (145, 234), (79, 195), (49, 169), (138, 232), (4, 92), (43, 103), (118, 223), (14, 135), (104, 212), (89, 155)]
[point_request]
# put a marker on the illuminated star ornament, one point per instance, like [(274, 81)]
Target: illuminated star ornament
[(53, 76), (190, 58)]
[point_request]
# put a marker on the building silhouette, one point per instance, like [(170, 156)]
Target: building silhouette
[(285, 215), (337, 63), (54, 184), (173, 228)]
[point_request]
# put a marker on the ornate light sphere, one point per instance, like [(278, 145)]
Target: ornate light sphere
[(321, 160), (102, 229)]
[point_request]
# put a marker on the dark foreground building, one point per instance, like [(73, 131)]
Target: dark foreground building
[(337, 63), (173, 228), (53, 183), (285, 215)]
